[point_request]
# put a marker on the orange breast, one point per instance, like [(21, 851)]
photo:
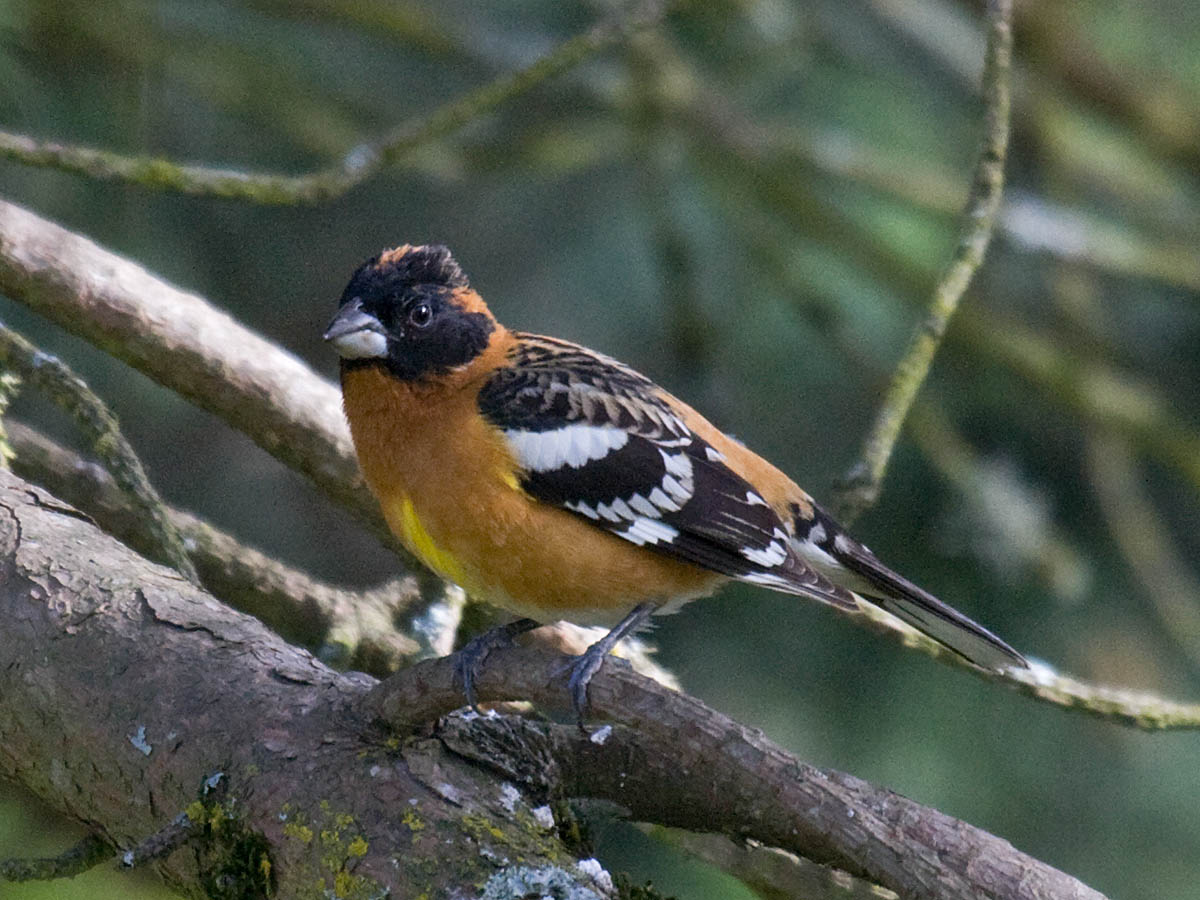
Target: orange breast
[(445, 481)]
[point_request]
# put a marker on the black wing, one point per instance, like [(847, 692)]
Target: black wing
[(597, 438)]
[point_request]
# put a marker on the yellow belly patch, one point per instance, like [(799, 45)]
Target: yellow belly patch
[(418, 540)]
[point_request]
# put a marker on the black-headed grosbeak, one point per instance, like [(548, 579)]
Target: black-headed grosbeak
[(557, 483)]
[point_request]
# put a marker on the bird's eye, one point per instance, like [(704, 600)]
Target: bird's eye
[(420, 315)]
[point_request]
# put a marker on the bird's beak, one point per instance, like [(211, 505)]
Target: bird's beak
[(356, 334)]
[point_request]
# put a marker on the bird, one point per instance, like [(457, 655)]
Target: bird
[(557, 483)]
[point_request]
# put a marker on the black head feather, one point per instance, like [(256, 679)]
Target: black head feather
[(417, 295)]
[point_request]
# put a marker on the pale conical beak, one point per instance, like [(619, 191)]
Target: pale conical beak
[(356, 334)]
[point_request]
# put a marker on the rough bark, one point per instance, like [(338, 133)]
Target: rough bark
[(677, 762), (123, 688)]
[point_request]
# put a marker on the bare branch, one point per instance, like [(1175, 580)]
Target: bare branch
[(85, 855), (1137, 709), (360, 163), (189, 346), (1145, 540), (861, 485), (54, 378)]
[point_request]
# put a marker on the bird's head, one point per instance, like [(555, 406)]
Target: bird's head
[(411, 309)]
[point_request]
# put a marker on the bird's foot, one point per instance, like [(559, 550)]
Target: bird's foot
[(588, 663), (582, 668), (469, 660)]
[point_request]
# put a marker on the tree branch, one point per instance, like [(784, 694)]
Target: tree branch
[(202, 690), (69, 392), (347, 628), (186, 345), (859, 488), (85, 855), (140, 688), (361, 163), (674, 761)]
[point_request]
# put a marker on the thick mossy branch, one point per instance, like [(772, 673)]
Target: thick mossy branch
[(53, 377), (861, 485), (359, 164)]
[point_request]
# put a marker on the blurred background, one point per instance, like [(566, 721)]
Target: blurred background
[(750, 203)]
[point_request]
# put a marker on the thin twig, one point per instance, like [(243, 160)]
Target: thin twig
[(1144, 540), (68, 391), (166, 840), (356, 166), (860, 486), (771, 873), (84, 856)]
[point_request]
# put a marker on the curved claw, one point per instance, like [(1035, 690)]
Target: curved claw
[(582, 669), (471, 657)]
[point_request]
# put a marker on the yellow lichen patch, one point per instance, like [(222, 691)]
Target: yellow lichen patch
[(412, 820), (300, 832), (357, 847)]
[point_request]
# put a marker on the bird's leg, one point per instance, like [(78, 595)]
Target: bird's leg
[(471, 657), (587, 664)]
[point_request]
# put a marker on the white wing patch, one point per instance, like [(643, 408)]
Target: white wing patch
[(648, 531), (771, 555), (679, 482), (583, 509), (572, 445)]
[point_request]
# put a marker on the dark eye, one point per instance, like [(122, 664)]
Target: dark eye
[(420, 315)]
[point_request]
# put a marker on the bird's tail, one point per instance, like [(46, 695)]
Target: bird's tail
[(829, 549)]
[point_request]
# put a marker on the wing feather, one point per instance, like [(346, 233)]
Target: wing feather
[(599, 439)]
